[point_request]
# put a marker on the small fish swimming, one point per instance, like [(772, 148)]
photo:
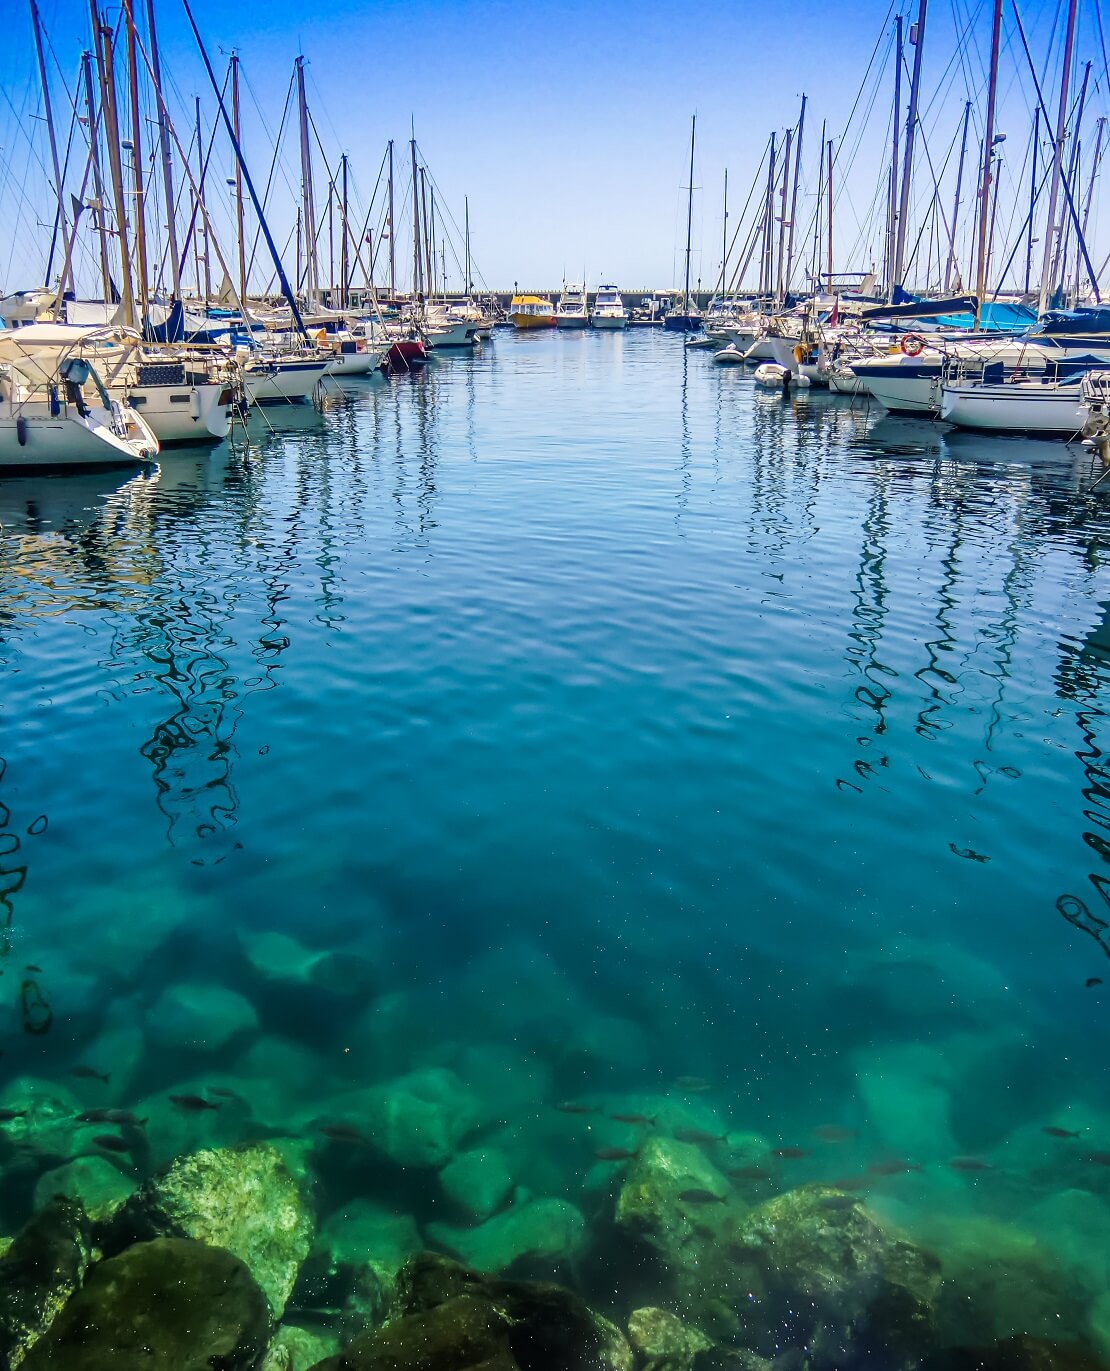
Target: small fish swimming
[(112, 1142), (572, 1107), (834, 1133), (893, 1168), (222, 1092), (88, 1073), (1092, 981), (7, 1115), (969, 853), (749, 1173), (37, 970), (851, 1183), (790, 1154), (94, 1116), (124, 1116), (615, 1154), (701, 1136), (968, 1164), (640, 1120), (698, 1195), (838, 1203), (696, 1085), (1054, 1132), (1098, 1158), (341, 1132), (192, 1104)]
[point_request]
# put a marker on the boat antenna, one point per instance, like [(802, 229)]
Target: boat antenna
[(282, 278)]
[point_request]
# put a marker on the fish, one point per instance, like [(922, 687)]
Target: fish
[(969, 853), (969, 1164), (790, 1154), (1098, 1158), (838, 1202), (749, 1173), (696, 1085), (88, 1073), (851, 1183), (112, 1142), (834, 1133), (1054, 1132), (124, 1116), (94, 1116), (615, 1154), (7, 1115), (1092, 981), (32, 967), (192, 1104), (638, 1119), (698, 1195), (341, 1132), (223, 1093), (572, 1107), (701, 1136), (892, 1168)]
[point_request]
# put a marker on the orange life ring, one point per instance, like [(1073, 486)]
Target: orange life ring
[(912, 344)]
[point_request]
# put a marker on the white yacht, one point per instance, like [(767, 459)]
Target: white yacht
[(609, 310), (572, 310)]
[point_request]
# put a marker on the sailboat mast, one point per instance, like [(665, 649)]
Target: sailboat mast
[(689, 216), (60, 222), (307, 200), (106, 70), (466, 219), (164, 153), (917, 38), (392, 250), (782, 214), (724, 237), (137, 162), (829, 226), (240, 231), (98, 180), (794, 196), (766, 248), (950, 264), (200, 197), (1059, 265), (815, 274), (892, 193), (344, 262), (988, 154), (417, 255), (429, 277), (1047, 282), (1095, 163)]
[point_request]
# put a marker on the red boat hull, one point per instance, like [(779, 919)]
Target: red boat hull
[(406, 354)]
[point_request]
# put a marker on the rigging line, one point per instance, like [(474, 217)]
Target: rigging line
[(203, 178), (273, 165)]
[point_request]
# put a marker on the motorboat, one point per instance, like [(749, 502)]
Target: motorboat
[(609, 310), (532, 311), (572, 311), (48, 419)]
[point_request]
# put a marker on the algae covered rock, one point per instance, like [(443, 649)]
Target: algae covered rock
[(166, 1305), (479, 1182), (662, 1341), (545, 1228), (42, 1268), (671, 1192), (245, 1199), (460, 1334), (200, 1016), (100, 1187), (295, 1348), (1018, 1354), (363, 1233), (420, 1119)]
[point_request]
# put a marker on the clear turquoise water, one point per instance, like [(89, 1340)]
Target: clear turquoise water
[(616, 722)]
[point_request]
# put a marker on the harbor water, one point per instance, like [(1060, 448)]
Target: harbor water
[(575, 731)]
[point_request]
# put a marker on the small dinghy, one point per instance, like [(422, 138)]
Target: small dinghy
[(775, 377), (730, 356)]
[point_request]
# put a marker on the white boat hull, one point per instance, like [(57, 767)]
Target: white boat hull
[(459, 335), (729, 357), (290, 383), (32, 437), (184, 414), (572, 321), (904, 394), (613, 321), (353, 364), (1028, 408)]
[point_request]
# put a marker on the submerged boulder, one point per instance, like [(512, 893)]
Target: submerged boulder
[(295, 1348), (543, 1228), (166, 1305), (479, 1182), (100, 1187), (245, 1199), (199, 1016), (419, 1119), (663, 1342), (39, 1272)]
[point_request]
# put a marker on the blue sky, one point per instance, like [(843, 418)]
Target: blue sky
[(566, 124)]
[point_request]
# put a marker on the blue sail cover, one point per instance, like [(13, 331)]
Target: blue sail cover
[(1078, 321)]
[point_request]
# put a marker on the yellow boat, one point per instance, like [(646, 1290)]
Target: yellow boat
[(531, 311)]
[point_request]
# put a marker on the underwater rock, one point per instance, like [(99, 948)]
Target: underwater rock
[(363, 1233), (166, 1305), (245, 1199), (479, 1182), (674, 1198), (40, 1271), (45, 1119), (549, 1228), (824, 1275), (1018, 1354), (94, 1181), (738, 1359), (277, 956), (199, 1016), (296, 1349), (662, 1341), (453, 1319), (420, 1119)]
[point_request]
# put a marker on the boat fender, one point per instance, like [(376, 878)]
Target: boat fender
[(194, 403), (55, 403), (801, 353), (912, 344), (21, 430)]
